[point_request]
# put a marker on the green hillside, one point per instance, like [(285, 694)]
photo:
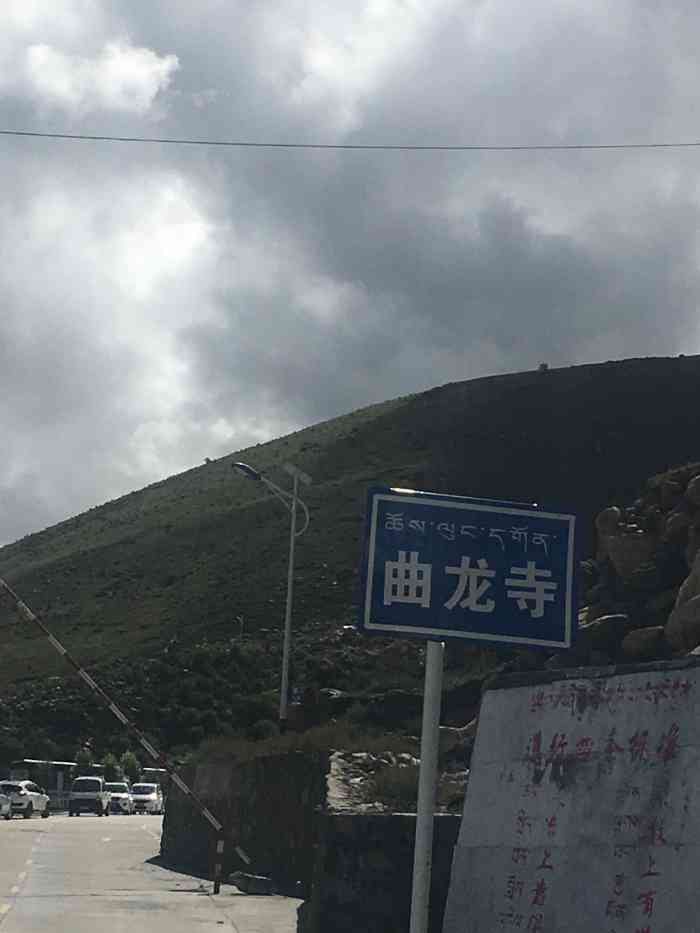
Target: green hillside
[(183, 558)]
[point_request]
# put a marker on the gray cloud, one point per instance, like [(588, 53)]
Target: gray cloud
[(161, 305)]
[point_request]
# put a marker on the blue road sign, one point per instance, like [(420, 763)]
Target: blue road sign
[(451, 567)]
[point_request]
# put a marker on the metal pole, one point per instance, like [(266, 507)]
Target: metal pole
[(218, 863), (427, 784), (286, 649)]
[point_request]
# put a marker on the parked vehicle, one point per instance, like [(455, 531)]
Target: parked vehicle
[(122, 801), (89, 795), (5, 807), (148, 798), (26, 798)]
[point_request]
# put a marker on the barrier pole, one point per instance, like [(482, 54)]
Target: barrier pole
[(218, 864)]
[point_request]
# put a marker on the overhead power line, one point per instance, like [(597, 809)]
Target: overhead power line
[(383, 147)]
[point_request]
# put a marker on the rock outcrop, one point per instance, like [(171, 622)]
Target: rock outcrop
[(640, 595)]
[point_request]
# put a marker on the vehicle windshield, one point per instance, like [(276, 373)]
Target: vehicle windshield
[(117, 788), (86, 784), (10, 788), (143, 789)]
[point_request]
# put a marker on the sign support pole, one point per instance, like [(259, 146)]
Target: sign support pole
[(287, 643), (427, 785)]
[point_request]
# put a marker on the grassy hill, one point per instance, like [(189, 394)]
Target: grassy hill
[(176, 563)]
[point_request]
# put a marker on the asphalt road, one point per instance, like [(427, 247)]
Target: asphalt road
[(93, 875)]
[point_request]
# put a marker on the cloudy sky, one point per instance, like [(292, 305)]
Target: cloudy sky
[(162, 304)]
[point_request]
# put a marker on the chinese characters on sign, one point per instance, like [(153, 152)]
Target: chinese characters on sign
[(408, 581), (457, 567), (582, 811)]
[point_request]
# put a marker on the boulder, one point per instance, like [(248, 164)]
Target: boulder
[(607, 521), (692, 493), (683, 626), (691, 585), (671, 493), (645, 644), (605, 633), (693, 545), (662, 602), (676, 525), (629, 552)]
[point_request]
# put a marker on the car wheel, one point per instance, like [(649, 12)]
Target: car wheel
[(45, 813), (8, 816), (28, 811)]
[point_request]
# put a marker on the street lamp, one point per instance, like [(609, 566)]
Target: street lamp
[(290, 501)]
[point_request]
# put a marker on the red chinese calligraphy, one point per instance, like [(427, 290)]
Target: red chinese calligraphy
[(646, 899), (523, 823), (536, 923), (546, 863), (643, 930), (656, 832), (668, 746), (638, 745), (611, 746), (551, 823), (557, 747), (651, 871), (519, 855), (534, 750), (584, 749), (539, 893), (619, 885)]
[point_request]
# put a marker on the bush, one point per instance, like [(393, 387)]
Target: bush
[(83, 761), (112, 771), (131, 766), (263, 729), (333, 736), (397, 787)]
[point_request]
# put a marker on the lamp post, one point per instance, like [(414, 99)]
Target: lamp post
[(290, 502)]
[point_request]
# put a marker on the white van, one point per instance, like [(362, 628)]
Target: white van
[(148, 798), (89, 795)]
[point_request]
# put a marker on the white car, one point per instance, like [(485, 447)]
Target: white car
[(26, 798), (122, 801), (5, 807), (148, 798)]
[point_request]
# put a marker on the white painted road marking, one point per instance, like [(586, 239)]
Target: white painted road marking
[(14, 889), (22, 875), (5, 908)]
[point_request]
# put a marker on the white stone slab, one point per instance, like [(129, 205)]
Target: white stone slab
[(583, 808)]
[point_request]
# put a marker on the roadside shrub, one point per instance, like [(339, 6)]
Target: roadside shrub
[(112, 771), (396, 787), (263, 729)]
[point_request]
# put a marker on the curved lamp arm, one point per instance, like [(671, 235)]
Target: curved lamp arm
[(283, 495)]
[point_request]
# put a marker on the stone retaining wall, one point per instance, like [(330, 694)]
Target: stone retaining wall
[(268, 807), (363, 871)]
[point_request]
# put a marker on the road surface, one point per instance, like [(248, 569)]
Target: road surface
[(93, 875)]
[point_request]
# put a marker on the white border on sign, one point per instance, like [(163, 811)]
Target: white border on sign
[(452, 504)]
